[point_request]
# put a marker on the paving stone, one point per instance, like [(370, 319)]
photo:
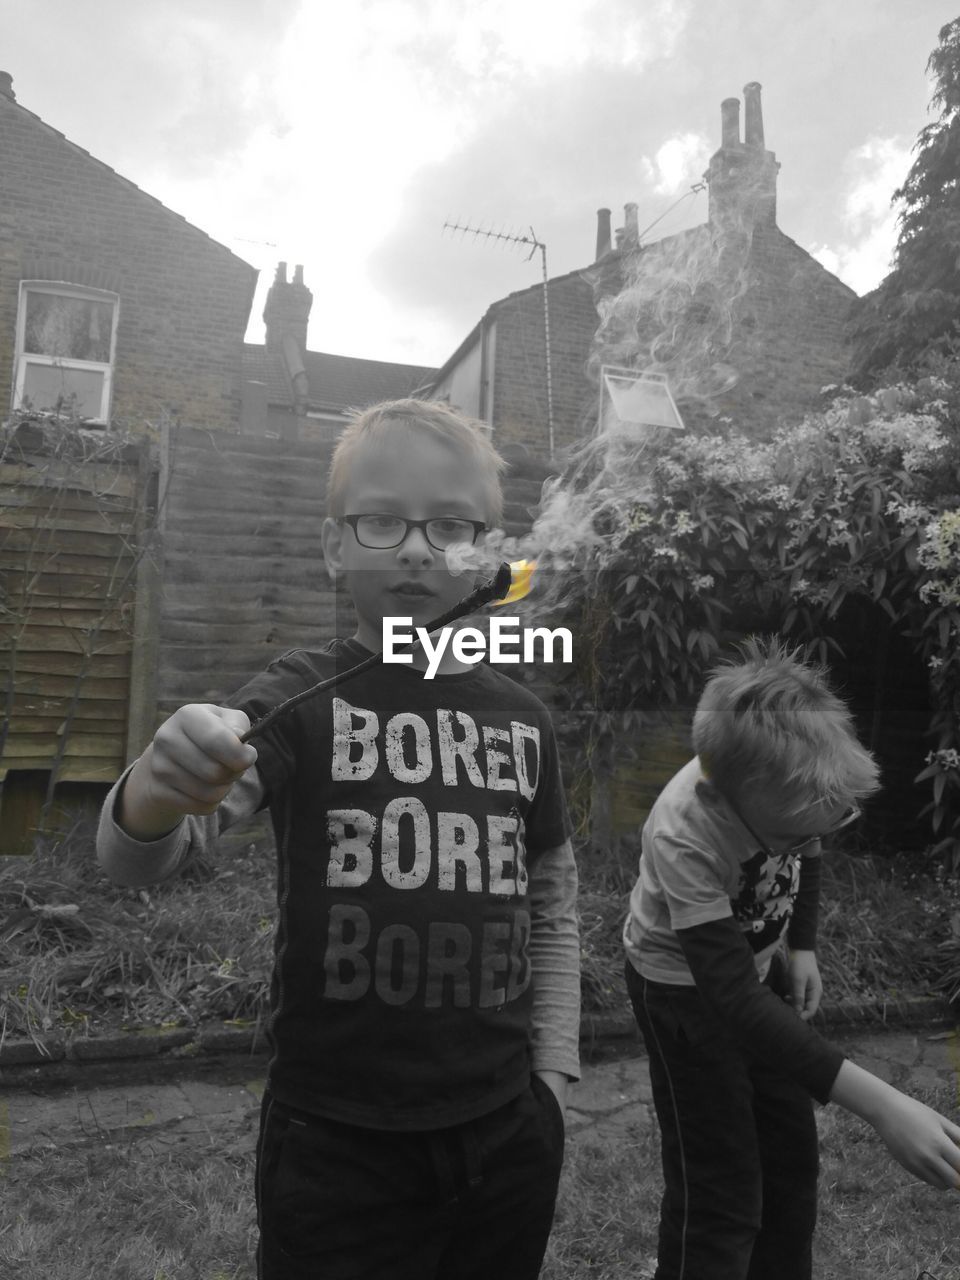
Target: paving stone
[(889, 1071), (620, 1125), (208, 1099), (942, 1055), (604, 1088), (132, 1106), (903, 1048), (922, 1077)]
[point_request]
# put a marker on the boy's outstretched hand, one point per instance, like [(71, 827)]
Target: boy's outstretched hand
[(195, 758), (924, 1142)]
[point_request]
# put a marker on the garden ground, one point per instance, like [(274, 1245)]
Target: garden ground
[(146, 1179)]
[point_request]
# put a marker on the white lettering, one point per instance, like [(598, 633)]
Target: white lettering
[(347, 735), (413, 876), (457, 842), (422, 766), (500, 629), (497, 759), (433, 651), (350, 834), (390, 639), (469, 644), (562, 633), (453, 749), (522, 734)]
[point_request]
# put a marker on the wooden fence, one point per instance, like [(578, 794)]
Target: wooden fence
[(74, 514)]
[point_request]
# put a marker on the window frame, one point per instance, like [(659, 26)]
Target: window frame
[(23, 358)]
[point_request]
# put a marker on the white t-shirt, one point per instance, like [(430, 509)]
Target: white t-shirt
[(699, 863)]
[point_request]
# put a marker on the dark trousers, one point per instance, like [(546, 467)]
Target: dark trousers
[(471, 1202), (739, 1143)]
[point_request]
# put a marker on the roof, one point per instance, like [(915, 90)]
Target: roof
[(337, 383), (80, 151)]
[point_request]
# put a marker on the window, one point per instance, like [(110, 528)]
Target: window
[(65, 348)]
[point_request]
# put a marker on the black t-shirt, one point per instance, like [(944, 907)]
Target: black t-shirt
[(407, 813)]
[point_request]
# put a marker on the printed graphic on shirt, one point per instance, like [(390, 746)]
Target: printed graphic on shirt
[(768, 886), (425, 903)]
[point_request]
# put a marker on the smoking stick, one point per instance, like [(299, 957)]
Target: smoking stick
[(494, 588)]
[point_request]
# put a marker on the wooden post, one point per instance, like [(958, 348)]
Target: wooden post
[(142, 700)]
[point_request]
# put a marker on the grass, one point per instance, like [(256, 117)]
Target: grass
[(158, 1206), (78, 955)]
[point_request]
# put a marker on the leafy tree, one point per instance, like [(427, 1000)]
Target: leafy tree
[(916, 309), (708, 537)]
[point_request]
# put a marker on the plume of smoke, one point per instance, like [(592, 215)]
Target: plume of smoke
[(673, 308)]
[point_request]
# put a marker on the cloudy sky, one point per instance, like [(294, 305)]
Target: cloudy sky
[(342, 134)]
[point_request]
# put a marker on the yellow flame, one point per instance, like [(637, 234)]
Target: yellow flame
[(521, 580)]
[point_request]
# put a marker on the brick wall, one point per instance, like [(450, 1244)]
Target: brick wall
[(184, 299), (788, 338), (785, 341), (520, 379)]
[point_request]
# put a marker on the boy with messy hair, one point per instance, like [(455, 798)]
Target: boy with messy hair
[(425, 993), (720, 940)]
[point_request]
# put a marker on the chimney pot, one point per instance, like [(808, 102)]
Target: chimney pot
[(603, 233), (631, 227), (6, 86), (753, 116), (730, 122)]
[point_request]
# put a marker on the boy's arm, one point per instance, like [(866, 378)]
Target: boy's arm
[(190, 768), (806, 986), (724, 971), (554, 953), (925, 1143), (137, 863)]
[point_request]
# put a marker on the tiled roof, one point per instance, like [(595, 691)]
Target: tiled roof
[(336, 382)]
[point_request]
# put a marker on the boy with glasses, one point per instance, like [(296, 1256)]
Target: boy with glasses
[(425, 995), (729, 873)]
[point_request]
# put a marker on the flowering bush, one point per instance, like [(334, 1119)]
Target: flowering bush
[(859, 499)]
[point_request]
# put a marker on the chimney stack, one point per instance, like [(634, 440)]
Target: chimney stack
[(631, 227), (603, 233), (753, 115), (287, 309), (6, 86), (742, 176), (730, 122)]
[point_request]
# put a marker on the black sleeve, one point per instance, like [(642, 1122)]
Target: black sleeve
[(802, 930), (725, 974)]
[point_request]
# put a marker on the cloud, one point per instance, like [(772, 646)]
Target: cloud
[(863, 252), (678, 163)]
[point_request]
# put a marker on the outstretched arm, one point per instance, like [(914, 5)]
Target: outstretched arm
[(924, 1142)]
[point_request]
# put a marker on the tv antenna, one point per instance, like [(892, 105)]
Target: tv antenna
[(511, 238)]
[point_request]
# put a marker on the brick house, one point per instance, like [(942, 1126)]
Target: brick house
[(117, 310), (744, 322)]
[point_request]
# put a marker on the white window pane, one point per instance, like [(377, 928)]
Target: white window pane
[(48, 386), (67, 327)]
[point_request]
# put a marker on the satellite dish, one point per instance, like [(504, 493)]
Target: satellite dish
[(634, 403)]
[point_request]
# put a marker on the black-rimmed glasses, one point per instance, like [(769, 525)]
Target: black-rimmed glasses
[(379, 531), (848, 818)]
